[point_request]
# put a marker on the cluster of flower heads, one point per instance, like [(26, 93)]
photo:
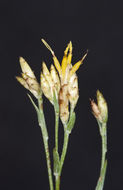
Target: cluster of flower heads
[(61, 82)]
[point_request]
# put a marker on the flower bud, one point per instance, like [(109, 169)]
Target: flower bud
[(73, 90), (46, 74), (55, 78), (102, 105), (28, 79), (100, 110), (26, 68), (46, 88), (50, 82), (22, 82), (96, 110)]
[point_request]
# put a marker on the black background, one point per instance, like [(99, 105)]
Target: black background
[(93, 25)]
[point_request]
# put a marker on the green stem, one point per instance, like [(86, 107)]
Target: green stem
[(56, 108), (104, 145), (57, 183), (56, 130), (42, 124), (64, 150), (67, 130), (103, 133)]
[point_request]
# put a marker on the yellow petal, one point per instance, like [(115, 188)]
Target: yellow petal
[(64, 60), (77, 65), (70, 53), (56, 62), (26, 68)]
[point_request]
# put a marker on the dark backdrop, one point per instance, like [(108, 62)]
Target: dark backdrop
[(93, 25)]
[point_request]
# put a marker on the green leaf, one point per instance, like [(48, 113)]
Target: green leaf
[(56, 162), (33, 103), (71, 122)]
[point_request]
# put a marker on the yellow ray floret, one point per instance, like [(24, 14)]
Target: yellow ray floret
[(70, 53), (56, 62), (77, 65), (64, 60)]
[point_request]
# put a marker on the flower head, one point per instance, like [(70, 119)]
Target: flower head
[(50, 82), (100, 110), (28, 79), (67, 58), (68, 80)]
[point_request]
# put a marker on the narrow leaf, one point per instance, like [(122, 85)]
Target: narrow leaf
[(33, 103)]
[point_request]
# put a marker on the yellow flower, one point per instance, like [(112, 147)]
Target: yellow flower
[(28, 79), (65, 61), (68, 79)]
